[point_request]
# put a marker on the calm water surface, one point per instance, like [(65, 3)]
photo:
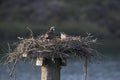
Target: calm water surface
[(107, 69)]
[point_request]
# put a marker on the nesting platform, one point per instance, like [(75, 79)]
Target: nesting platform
[(52, 51)]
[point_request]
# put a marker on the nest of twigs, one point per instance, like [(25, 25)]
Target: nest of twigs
[(71, 46)]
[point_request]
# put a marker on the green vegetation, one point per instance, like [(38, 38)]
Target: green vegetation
[(84, 2)]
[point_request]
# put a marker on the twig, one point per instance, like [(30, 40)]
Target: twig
[(85, 68), (8, 48), (11, 72), (31, 33)]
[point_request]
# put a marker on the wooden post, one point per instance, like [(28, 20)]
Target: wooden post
[(50, 70)]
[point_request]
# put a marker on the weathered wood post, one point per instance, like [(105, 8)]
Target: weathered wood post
[(50, 70)]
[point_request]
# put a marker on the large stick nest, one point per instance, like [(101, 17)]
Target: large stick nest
[(50, 46), (69, 46)]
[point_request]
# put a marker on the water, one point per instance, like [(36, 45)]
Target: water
[(107, 69)]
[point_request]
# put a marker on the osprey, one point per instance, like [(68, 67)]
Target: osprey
[(63, 36), (50, 34)]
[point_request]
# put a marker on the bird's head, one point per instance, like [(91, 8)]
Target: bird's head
[(62, 33), (52, 29), (63, 36)]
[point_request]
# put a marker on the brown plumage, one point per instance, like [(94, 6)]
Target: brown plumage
[(51, 33)]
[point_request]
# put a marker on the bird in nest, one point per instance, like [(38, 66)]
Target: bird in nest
[(63, 36), (77, 38), (50, 33)]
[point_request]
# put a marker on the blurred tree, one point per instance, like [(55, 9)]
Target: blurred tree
[(102, 12)]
